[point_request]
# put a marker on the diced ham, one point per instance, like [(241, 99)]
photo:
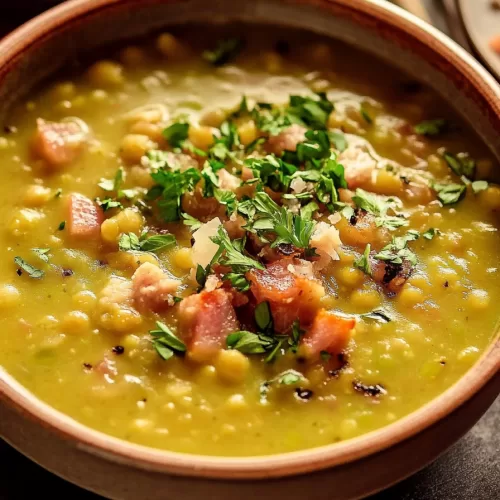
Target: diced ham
[(205, 320), (152, 288), (227, 181), (329, 333), (84, 217), (287, 140), (234, 226), (361, 229), (358, 164), (58, 143), (291, 296)]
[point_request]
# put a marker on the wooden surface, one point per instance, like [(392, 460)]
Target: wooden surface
[(470, 470)]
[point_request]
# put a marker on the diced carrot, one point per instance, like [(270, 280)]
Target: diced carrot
[(84, 217), (205, 320), (57, 143), (329, 333)]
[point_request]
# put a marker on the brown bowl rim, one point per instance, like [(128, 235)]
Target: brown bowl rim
[(284, 464)]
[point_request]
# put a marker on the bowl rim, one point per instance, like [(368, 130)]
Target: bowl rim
[(266, 466)]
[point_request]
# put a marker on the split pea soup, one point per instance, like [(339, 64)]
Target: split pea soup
[(243, 246)]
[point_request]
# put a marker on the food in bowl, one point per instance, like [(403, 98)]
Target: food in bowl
[(243, 247)]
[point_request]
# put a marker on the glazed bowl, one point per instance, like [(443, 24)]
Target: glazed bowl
[(345, 470)]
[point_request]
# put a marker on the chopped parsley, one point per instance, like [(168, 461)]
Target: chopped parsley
[(225, 51), (396, 251), (145, 243), (461, 164), (61, 226), (365, 115), (363, 262), (165, 342), (430, 233), (41, 253), (478, 186), (32, 271), (338, 140), (58, 193), (448, 194), (108, 204), (431, 128), (249, 343), (288, 377), (308, 111), (379, 206), (193, 223), (378, 315), (115, 185), (176, 134)]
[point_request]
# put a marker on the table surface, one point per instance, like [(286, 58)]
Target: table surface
[(469, 470)]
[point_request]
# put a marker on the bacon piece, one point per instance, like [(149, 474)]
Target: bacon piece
[(202, 208), (290, 296), (152, 288), (58, 143), (329, 333), (84, 217), (287, 140), (205, 320)]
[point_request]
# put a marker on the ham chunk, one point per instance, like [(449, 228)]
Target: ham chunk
[(287, 140), (359, 164), (291, 294), (58, 143), (152, 288), (328, 333), (205, 320), (84, 217)]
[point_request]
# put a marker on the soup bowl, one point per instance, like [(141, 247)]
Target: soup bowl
[(350, 469)]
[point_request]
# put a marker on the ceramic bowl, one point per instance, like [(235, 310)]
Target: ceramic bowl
[(345, 470)]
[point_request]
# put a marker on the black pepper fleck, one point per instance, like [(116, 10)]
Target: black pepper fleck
[(102, 263), (87, 366), (446, 284), (304, 394), (67, 272), (118, 349), (19, 272), (369, 390)]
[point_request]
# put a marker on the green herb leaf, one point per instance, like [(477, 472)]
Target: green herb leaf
[(191, 222), (249, 343), (338, 140), (129, 241), (32, 271), (157, 242), (166, 342), (254, 144), (430, 233), (311, 112), (396, 252), (269, 120), (176, 134), (363, 262), (108, 204), (202, 274), (449, 194), (295, 337), (238, 281), (226, 50), (263, 316), (61, 226), (289, 377), (431, 127), (478, 186), (41, 253), (58, 193), (461, 164), (366, 116)]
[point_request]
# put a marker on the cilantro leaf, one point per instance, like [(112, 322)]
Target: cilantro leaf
[(431, 127), (378, 315), (263, 316), (363, 262), (238, 281), (226, 50), (129, 241), (165, 342), (365, 115), (269, 120), (249, 343), (430, 233), (108, 204), (155, 243), (191, 222), (32, 271)]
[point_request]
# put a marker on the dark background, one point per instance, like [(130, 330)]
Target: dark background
[(470, 470)]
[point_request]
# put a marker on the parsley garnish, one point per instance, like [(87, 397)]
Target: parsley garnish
[(175, 135), (449, 194), (396, 251), (61, 226), (363, 262), (32, 271), (226, 50), (108, 204), (115, 184), (166, 342), (269, 119), (461, 164), (145, 243), (263, 316), (169, 187), (378, 315), (310, 112), (191, 222), (338, 140), (58, 193), (288, 377), (41, 253), (289, 228), (249, 343), (379, 207), (431, 127), (365, 115), (430, 233), (478, 186)]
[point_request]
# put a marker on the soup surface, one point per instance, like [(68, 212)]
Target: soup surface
[(243, 247)]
